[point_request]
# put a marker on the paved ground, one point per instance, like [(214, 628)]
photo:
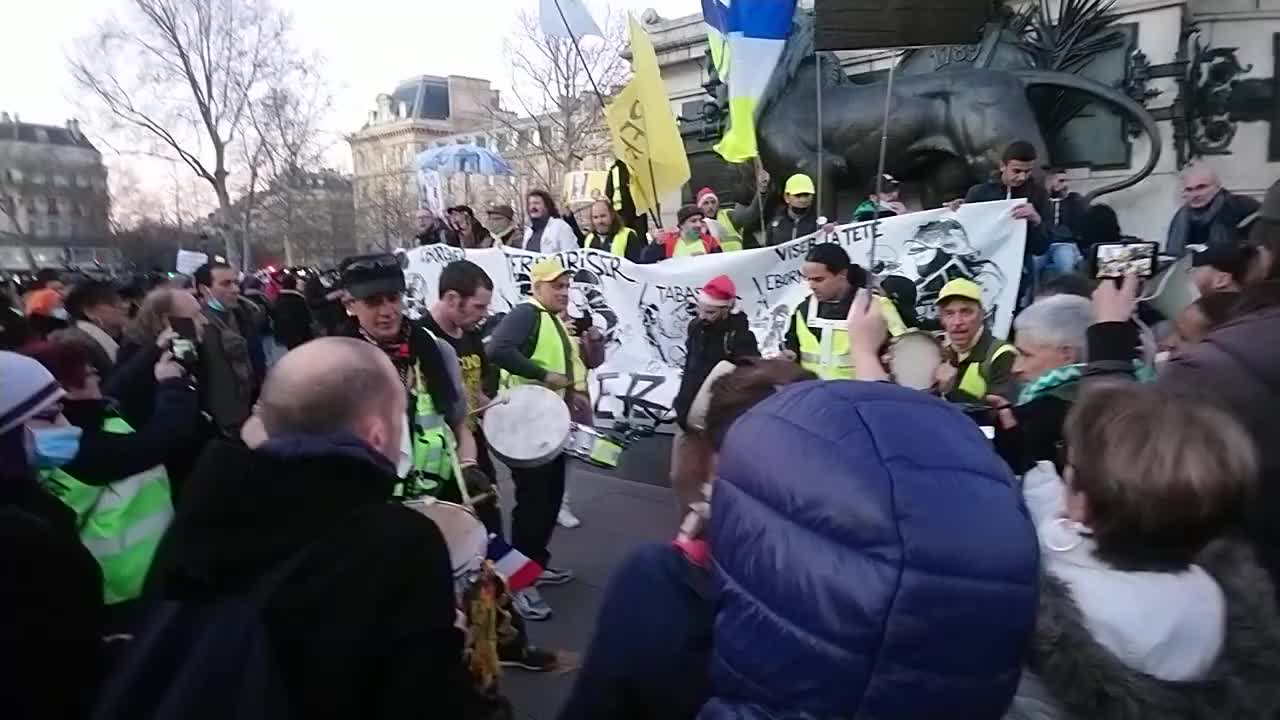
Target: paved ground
[(616, 515)]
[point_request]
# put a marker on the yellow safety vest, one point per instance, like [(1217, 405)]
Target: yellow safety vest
[(433, 443), (553, 350), (120, 523), (732, 239), (974, 380), (618, 246), (828, 357)]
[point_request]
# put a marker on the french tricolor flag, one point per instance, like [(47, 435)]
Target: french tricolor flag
[(515, 567)]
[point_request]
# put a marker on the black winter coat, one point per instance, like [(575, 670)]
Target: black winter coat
[(51, 611), (730, 339), (292, 319), (363, 626), (1037, 235), (784, 228)]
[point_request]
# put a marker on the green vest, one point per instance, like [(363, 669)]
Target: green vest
[(618, 246), (828, 356), (974, 379), (732, 239), (120, 524), (433, 444), (552, 349)]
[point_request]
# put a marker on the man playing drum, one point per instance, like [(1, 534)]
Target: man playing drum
[(429, 369), (532, 346)]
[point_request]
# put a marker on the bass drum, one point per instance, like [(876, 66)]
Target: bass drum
[(530, 429), (466, 536)]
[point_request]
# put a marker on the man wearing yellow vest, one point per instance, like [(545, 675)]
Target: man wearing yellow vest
[(976, 363), (608, 234), (818, 337), (437, 430), (532, 345)]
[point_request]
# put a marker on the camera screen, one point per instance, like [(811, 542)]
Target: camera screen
[(1117, 260)]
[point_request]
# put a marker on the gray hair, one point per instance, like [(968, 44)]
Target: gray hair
[(1059, 321)]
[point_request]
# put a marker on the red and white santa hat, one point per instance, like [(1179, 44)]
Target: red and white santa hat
[(705, 192), (718, 292)]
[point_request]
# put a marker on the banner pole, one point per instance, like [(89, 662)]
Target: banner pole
[(817, 196), (764, 233), (884, 144)]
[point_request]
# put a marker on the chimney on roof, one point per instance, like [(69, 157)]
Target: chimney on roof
[(404, 109), (73, 127), (4, 118)]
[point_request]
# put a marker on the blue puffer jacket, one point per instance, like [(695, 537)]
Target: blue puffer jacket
[(872, 559)]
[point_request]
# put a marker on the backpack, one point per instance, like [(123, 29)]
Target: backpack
[(207, 660)]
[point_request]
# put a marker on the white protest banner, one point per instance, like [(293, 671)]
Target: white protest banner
[(645, 310), (189, 261)]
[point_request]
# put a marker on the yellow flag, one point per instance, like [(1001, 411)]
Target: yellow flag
[(643, 129)]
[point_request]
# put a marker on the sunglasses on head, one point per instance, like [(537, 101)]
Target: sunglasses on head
[(383, 262)]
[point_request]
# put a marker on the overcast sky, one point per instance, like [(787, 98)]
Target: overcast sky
[(371, 45)]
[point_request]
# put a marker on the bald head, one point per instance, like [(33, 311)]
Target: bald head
[(333, 385), (1200, 185)]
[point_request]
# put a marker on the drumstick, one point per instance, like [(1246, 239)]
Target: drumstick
[(500, 400)]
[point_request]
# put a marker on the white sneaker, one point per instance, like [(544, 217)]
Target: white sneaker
[(529, 603), (566, 518)]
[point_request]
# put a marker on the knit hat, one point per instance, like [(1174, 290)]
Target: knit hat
[(703, 192), (718, 292), (504, 210), (27, 390), (687, 212), (42, 302)]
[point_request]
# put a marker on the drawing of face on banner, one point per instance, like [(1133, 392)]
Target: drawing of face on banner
[(666, 311), (940, 251), (587, 300)]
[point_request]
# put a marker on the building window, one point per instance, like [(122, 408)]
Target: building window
[(42, 135), (53, 205), (53, 228), (77, 209)]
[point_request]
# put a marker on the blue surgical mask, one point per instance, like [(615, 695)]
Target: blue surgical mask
[(61, 313), (54, 447), (214, 305)]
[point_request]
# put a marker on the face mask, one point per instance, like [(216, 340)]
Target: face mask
[(405, 461), (1161, 358), (689, 233), (54, 447), (216, 306)]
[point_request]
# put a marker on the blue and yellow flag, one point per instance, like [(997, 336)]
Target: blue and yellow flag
[(746, 38)]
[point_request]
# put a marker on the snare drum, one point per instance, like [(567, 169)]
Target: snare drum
[(530, 429), (589, 445), (466, 536)]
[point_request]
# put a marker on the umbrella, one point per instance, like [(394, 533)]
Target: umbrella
[(466, 158)]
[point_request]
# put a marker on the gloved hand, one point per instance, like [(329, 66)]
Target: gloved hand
[(480, 487)]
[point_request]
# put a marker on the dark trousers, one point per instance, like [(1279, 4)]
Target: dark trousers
[(650, 652), (539, 491), (490, 513)]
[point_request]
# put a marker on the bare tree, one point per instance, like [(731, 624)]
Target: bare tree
[(179, 76), (386, 210), (564, 121), (287, 160)]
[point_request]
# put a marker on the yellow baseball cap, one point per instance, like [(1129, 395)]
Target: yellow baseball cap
[(547, 270), (799, 185), (960, 288)]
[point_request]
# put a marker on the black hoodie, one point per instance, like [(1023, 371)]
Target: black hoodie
[(709, 343), (363, 627)]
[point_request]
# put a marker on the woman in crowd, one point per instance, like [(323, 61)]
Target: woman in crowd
[(471, 234), (1196, 320), (146, 338), (1143, 613), (860, 591), (110, 473), (51, 606), (1051, 338), (1235, 366)]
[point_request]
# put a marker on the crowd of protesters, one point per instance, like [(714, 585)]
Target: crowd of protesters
[(210, 494)]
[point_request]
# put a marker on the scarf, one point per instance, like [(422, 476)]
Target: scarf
[(536, 225), (100, 336), (1207, 216), (1067, 374), (398, 350)]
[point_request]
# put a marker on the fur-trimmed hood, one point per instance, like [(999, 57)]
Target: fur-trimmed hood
[(1090, 683)]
